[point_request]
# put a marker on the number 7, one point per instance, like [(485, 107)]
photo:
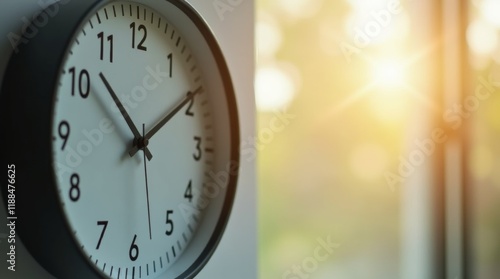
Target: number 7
[(105, 224)]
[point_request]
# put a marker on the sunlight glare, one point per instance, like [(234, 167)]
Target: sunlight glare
[(389, 73), (389, 98), (482, 37), (490, 10)]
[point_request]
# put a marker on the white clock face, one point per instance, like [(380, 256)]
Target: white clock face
[(131, 180)]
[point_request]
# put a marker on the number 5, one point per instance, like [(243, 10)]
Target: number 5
[(170, 223)]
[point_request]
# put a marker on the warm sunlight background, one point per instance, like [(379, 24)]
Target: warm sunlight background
[(323, 174), (345, 74)]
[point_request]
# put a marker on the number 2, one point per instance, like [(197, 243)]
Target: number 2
[(188, 194), (190, 106)]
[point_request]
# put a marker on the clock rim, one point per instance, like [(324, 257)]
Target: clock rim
[(57, 251)]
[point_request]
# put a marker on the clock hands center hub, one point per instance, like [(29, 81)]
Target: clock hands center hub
[(141, 143)]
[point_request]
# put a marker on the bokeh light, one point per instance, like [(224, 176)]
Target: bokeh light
[(274, 88), (268, 37), (482, 37), (490, 9)]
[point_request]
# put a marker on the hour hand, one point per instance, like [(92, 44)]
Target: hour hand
[(130, 123), (167, 118)]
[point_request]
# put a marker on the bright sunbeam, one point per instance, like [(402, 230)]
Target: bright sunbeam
[(389, 90), (389, 100), (389, 73)]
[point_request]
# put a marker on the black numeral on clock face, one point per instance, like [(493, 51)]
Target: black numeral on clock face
[(83, 83), (188, 194), (74, 191), (64, 131), (110, 40), (142, 28), (133, 252), (198, 153), (170, 60), (169, 223), (105, 225), (190, 106)]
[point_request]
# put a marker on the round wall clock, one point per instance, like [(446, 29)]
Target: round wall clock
[(120, 119)]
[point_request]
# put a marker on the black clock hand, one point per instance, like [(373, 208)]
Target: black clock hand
[(167, 118), (172, 113), (137, 135), (143, 145)]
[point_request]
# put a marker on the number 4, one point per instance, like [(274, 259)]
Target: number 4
[(188, 194)]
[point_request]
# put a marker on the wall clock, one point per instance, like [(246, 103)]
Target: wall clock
[(120, 118)]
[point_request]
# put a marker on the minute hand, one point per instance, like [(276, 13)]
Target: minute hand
[(124, 113), (167, 118)]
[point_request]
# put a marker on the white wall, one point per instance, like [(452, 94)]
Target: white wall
[(236, 258)]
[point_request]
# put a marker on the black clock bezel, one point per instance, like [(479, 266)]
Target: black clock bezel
[(26, 117)]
